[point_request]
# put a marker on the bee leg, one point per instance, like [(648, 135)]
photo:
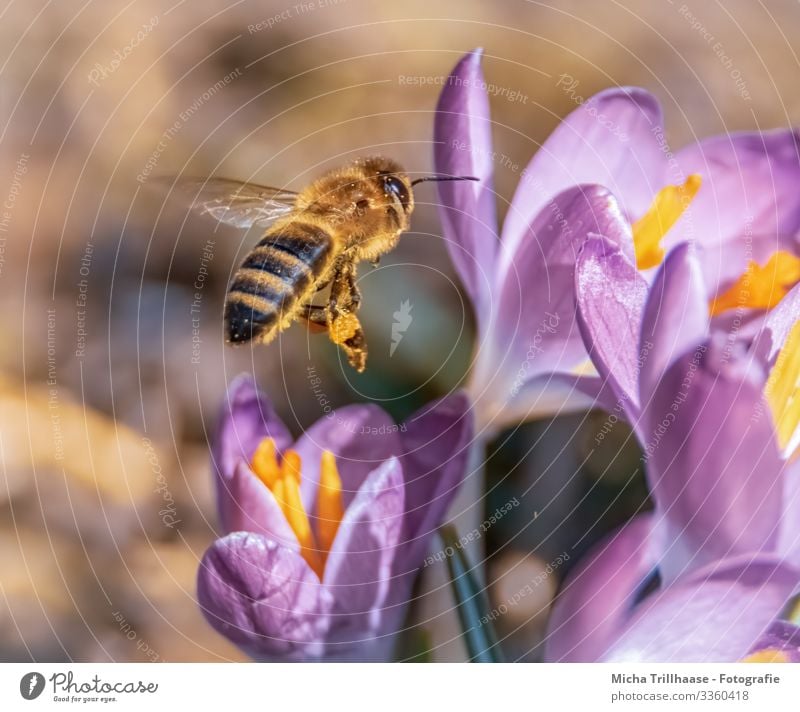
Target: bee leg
[(344, 328), (316, 317)]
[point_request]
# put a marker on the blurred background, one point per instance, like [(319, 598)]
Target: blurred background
[(113, 361)]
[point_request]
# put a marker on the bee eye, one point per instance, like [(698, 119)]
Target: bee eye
[(394, 186)]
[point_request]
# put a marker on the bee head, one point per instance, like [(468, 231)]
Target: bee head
[(393, 180)]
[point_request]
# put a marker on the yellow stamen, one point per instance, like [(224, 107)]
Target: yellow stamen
[(298, 520), (265, 463), (283, 480), (794, 613), (760, 287), (663, 213), (290, 467), (767, 655), (329, 504), (783, 388)]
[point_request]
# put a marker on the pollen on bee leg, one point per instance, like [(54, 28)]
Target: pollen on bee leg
[(782, 390), (668, 205), (344, 327), (760, 287), (329, 504)]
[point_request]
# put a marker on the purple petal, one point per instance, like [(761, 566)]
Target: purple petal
[(463, 147), (780, 321), (610, 296), (789, 542), (263, 597), (611, 140), (597, 599), (749, 180), (713, 464), (361, 436), (247, 417), (782, 637), (538, 333), (714, 615), (248, 506), (554, 394), (675, 316), (436, 452), (358, 571)]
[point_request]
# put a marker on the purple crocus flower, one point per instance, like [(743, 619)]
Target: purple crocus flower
[(322, 538), (718, 418), (734, 194)]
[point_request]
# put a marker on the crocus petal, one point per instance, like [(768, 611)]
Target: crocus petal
[(610, 296), (779, 643), (463, 147), (538, 332), (713, 465), (360, 436), (247, 505), (675, 316), (789, 541), (247, 417), (749, 179), (436, 451), (610, 140), (780, 320), (714, 615), (555, 394), (747, 185), (359, 568), (263, 597), (598, 598)]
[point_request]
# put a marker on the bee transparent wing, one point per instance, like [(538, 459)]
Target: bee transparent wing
[(228, 201)]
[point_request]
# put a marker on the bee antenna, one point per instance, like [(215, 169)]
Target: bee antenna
[(442, 178)]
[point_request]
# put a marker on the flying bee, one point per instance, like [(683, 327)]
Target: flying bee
[(315, 240)]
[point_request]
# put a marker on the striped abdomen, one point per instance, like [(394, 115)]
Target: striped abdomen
[(282, 267)]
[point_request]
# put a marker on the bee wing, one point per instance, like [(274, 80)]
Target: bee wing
[(228, 201)]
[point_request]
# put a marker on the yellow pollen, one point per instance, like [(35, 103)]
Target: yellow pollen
[(760, 287), (283, 480), (329, 503), (663, 213), (767, 655), (783, 388)]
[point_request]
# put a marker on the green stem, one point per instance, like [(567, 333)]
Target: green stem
[(471, 605)]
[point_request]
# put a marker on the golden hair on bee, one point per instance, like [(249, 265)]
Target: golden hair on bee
[(314, 242)]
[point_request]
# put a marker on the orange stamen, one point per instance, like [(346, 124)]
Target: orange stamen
[(290, 467), (760, 287), (668, 205), (265, 463), (298, 520), (329, 504), (283, 480), (783, 389)]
